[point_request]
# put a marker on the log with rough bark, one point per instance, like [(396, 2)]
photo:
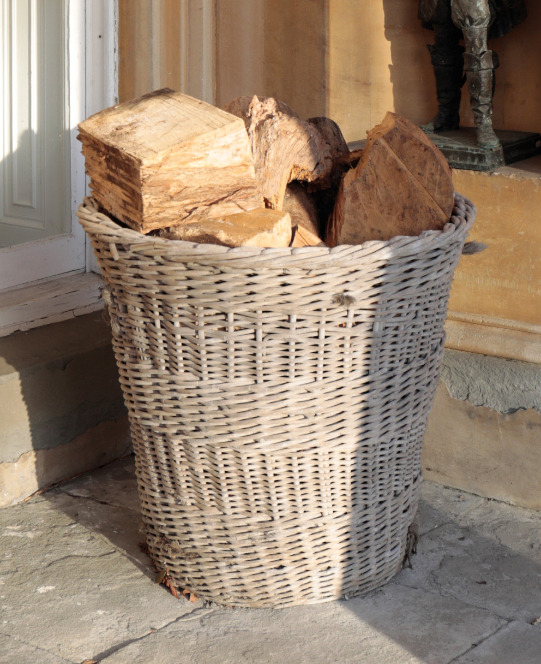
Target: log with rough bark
[(338, 150), (284, 148), (302, 207), (401, 186), (240, 106), (257, 228), (167, 159)]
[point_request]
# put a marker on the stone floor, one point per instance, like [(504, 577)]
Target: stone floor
[(75, 587)]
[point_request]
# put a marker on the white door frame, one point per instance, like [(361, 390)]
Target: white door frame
[(25, 270)]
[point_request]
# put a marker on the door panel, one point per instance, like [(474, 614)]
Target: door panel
[(35, 168)]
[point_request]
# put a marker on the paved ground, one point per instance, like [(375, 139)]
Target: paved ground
[(74, 586)]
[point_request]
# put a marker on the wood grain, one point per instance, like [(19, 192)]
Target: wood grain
[(401, 186), (257, 228), (166, 159)]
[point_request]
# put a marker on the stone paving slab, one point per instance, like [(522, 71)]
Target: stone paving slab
[(74, 585), (13, 651), (119, 526), (490, 558), (516, 643), (441, 506), (114, 484), (68, 590), (395, 626)]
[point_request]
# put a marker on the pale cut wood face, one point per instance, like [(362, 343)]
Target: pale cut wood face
[(168, 159), (155, 123), (257, 228)]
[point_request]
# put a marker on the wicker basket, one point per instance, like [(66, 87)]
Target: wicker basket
[(278, 400)]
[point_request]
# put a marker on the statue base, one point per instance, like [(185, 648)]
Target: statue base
[(461, 150)]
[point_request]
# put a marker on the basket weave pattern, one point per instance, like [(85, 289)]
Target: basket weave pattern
[(278, 400)]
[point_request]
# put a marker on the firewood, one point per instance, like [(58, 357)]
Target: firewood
[(302, 207), (338, 149), (257, 228), (401, 186), (284, 148), (167, 159), (240, 106), (302, 237), (332, 135)]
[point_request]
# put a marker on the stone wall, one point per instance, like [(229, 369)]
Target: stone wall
[(61, 406), (352, 60)]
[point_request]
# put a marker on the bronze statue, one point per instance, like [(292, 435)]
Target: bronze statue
[(475, 21)]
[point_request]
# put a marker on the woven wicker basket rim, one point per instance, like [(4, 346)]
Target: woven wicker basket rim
[(108, 231)]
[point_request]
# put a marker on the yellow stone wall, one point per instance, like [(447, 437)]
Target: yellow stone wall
[(505, 280), (352, 60)]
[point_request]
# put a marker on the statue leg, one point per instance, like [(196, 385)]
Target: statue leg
[(473, 18), (448, 62)]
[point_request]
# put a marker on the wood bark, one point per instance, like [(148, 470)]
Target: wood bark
[(302, 207), (240, 106), (401, 186), (338, 150), (284, 148), (257, 228), (167, 159)]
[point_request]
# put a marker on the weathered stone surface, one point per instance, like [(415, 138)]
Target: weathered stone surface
[(14, 651), (75, 586), (502, 282), (37, 469), (49, 395), (119, 526), (115, 484), (440, 506), (489, 557), (516, 642), (479, 450), (373, 629), (69, 591), (503, 385), (61, 406)]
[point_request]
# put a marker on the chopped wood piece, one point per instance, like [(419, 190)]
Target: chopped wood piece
[(241, 107), (257, 228), (401, 186), (284, 148), (304, 238), (166, 159), (332, 135), (338, 149), (351, 159), (302, 208)]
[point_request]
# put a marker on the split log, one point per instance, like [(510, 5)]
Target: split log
[(401, 186), (338, 150), (257, 228), (167, 159), (302, 208), (284, 148), (240, 106), (332, 135)]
